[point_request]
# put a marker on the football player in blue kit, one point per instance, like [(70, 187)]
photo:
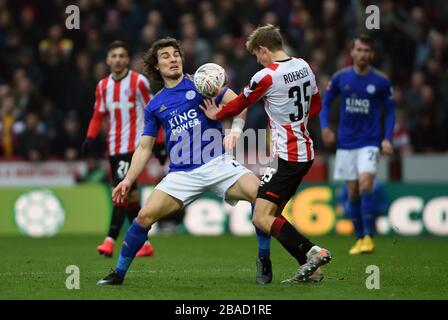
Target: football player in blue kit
[(198, 162), (365, 95)]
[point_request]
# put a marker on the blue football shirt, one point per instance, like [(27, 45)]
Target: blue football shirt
[(192, 139), (363, 98)]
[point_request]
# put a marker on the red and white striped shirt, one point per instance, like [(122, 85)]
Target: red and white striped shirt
[(291, 97), (124, 102)]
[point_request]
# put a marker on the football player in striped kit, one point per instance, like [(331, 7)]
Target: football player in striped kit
[(121, 97), (288, 87)]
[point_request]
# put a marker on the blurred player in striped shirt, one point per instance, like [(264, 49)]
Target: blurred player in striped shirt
[(121, 97)]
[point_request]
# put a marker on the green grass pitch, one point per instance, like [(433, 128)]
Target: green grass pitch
[(188, 267)]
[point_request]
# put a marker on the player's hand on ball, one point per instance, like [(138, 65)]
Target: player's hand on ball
[(120, 192), (386, 147), (328, 136), (210, 108), (231, 139)]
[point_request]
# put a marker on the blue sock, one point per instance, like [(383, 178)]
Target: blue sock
[(133, 241), (354, 211), (368, 212), (264, 242)]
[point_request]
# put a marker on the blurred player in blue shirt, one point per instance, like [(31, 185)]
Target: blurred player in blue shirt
[(365, 94)]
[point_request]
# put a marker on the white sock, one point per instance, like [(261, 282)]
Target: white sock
[(111, 239), (314, 249)]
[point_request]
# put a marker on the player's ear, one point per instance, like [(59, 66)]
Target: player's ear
[(352, 53), (108, 59), (263, 49)]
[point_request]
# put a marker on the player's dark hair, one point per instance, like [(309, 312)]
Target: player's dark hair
[(150, 58), (119, 44), (363, 38), (267, 36)]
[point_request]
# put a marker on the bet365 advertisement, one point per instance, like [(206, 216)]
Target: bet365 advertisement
[(317, 209)]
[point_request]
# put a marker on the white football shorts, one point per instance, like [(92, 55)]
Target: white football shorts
[(216, 176), (349, 164)]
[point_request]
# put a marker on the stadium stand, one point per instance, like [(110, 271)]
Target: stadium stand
[(48, 73)]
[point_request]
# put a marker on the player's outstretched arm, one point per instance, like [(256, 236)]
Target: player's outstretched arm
[(139, 160), (238, 122), (248, 97)]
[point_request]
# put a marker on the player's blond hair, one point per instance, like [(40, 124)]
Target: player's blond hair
[(267, 36)]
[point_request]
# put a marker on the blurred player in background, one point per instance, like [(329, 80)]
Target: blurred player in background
[(365, 95), (381, 203), (198, 162), (291, 96), (122, 97)]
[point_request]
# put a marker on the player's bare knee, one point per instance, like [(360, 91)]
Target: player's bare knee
[(257, 219), (145, 218), (253, 192)]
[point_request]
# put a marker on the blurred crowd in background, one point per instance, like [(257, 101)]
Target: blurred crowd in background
[(48, 73)]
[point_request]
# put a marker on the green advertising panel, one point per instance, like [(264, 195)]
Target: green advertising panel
[(417, 208), (40, 212), (316, 209), (405, 209)]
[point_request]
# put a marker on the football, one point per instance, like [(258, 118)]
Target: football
[(39, 213), (209, 79)]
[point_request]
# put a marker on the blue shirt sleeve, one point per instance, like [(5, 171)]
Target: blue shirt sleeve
[(152, 124), (331, 93), (219, 97), (389, 106)]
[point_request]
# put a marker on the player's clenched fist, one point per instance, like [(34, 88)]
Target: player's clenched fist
[(386, 147), (120, 192), (328, 136)]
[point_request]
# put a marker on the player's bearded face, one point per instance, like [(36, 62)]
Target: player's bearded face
[(169, 63), (362, 54), (117, 60)]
